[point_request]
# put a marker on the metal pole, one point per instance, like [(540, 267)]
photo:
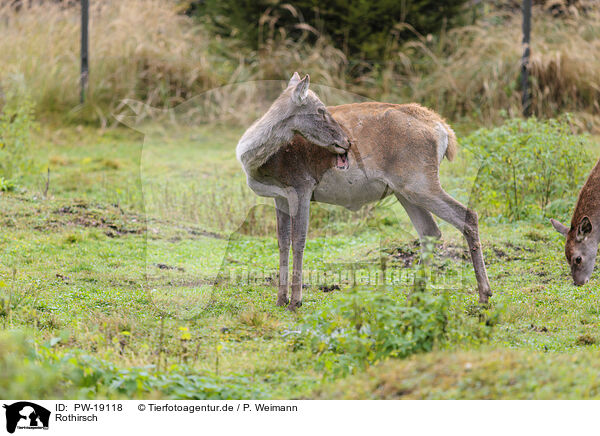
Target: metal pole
[(84, 48), (526, 97)]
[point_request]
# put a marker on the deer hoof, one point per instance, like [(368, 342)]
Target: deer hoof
[(282, 301)]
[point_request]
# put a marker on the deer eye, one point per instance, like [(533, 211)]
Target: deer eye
[(321, 111), (578, 260)]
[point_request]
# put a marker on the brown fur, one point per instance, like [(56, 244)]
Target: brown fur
[(588, 205), (588, 201), (304, 157), (369, 142), (411, 110)]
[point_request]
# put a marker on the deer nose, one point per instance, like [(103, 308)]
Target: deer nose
[(344, 145)]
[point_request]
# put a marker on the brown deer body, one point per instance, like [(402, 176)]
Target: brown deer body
[(396, 149), (583, 237)]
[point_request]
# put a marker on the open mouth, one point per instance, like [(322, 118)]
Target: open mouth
[(341, 161)]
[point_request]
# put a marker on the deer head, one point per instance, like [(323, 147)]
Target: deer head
[(580, 249), (309, 117)]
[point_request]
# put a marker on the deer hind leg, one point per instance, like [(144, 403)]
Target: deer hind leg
[(423, 222), (465, 220), (421, 219), (284, 229), (299, 232)]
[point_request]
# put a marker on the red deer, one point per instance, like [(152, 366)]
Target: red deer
[(351, 155), (583, 237)]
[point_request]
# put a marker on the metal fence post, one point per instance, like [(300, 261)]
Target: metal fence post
[(525, 89), (84, 48)]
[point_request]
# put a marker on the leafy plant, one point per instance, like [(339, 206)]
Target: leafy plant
[(6, 185), (22, 375), (528, 168), (364, 327), (99, 378), (46, 372)]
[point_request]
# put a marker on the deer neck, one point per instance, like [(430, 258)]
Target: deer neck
[(263, 139), (588, 203)]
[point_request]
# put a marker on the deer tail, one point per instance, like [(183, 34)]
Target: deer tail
[(447, 144)]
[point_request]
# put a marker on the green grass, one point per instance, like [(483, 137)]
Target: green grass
[(109, 280), (489, 374)]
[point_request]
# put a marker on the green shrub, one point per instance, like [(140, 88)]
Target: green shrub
[(47, 373), (7, 185), (23, 375), (363, 29), (16, 125), (361, 328), (528, 168), (97, 378)]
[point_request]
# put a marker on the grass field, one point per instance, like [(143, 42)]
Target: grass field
[(107, 270)]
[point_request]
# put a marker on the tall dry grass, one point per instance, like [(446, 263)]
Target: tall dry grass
[(146, 50), (139, 48), (474, 71)]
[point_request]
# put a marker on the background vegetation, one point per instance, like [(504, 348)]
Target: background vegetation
[(361, 29), (150, 50), (527, 169)]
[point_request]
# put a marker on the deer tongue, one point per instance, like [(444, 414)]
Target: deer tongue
[(341, 161)]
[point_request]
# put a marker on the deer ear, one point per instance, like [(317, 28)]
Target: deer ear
[(301, 90), (294, 80), (584, 228), (560, 227)]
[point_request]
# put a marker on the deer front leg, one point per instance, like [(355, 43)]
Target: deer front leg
[(299, 232), (284, 228)]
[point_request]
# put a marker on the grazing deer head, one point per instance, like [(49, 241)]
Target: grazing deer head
[(581, 247), (583, 236)]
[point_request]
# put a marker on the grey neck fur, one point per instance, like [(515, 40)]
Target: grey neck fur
[(266, 136)]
